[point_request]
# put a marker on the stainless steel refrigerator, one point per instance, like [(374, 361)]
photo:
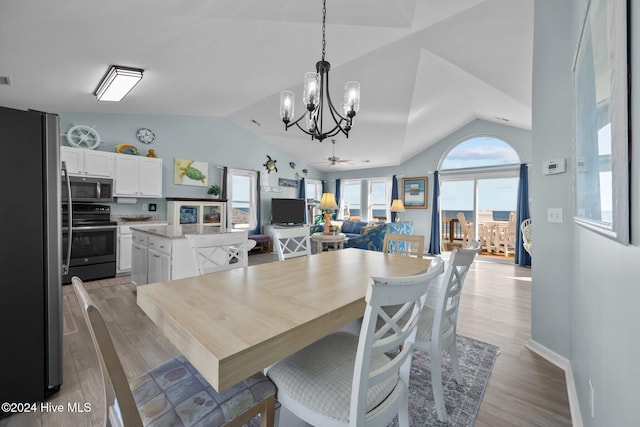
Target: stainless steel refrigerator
[(30, 256)]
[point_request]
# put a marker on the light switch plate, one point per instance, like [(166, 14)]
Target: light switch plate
[(554, 215)]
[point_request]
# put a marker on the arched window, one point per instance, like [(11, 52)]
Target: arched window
[(479, 178), (480, 151)]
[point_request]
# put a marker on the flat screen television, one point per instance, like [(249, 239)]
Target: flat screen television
[(287, 211)]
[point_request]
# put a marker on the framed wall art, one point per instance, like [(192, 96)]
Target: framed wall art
[(414, 192), (290, 183), (190, 172)]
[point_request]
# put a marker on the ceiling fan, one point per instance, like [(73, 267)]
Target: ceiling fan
[(334, 160)]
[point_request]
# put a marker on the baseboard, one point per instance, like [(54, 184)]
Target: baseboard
[(564, 364)]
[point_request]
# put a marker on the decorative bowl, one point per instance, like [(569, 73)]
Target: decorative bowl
[(126, 149)]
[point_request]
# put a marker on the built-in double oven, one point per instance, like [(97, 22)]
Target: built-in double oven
[(88, 234)]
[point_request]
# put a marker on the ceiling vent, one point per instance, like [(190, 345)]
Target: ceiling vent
[(5, 80)]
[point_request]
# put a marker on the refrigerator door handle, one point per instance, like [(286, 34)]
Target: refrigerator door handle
[(65, 266)]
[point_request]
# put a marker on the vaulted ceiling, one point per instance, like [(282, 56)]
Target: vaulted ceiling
[(426, 67)]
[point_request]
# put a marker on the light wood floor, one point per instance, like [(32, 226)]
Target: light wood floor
[(524, 389)]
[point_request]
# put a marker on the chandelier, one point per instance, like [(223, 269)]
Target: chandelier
[(314, 95)]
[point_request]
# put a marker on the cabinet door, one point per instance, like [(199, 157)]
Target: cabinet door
[(126, 176), (125, 251), (73, 158), (139, 265), (99, 163), (150, 174), (159, 267)]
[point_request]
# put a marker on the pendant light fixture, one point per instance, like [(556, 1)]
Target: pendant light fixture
[(315, 94)]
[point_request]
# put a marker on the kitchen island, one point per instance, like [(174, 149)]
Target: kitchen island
[(162, 252)]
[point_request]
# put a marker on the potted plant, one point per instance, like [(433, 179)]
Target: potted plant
[(214, 190)]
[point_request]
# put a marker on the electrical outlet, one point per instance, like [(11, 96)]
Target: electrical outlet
[(592, 403), (144, 207), (554, 215)]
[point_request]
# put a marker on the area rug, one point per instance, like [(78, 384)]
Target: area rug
[(461, 401)]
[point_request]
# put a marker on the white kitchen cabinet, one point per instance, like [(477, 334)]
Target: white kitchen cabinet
[(138, 176), (158, 259), (150, 177), (158, 266), (125, 242), (205, 212), (139, 257), (85, 162)]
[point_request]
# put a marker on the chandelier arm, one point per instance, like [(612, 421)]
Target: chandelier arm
[(290, 124), (312, 135), (336, 129), (332, 109)]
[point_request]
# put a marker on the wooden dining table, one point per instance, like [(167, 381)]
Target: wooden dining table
[(234, 323)]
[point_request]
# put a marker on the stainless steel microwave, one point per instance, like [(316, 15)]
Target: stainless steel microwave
[(87, 189)]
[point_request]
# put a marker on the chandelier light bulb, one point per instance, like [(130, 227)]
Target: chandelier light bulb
[(311, 85), (287, 103), (351, 98)]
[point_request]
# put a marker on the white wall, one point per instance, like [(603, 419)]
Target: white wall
[(424, 163), (586, 291)]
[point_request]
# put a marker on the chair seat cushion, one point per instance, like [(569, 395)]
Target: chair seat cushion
[(174, 393), (320, 376)]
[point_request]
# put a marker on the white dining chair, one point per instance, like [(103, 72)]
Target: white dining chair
[(467, 230), (401, 244), (346, 380), (506, 236), (526, 230), (291, 242), (136, 403), (438, 323), (220, 251)]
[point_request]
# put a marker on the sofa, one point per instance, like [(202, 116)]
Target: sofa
[(350, 229), (372, 238)]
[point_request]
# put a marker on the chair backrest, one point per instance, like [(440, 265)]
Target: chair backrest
[(118, 397), (446, 310), (220, 251), (526, 229), (400, 244), (291, 242), (467, 229), (511, 227), (382, 333)]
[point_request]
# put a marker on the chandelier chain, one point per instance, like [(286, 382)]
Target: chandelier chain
[(324, 18)]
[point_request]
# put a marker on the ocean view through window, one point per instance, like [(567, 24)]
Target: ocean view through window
[(479, 178)]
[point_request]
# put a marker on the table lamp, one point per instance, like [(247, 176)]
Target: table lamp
[(397, 206), (328, 203)]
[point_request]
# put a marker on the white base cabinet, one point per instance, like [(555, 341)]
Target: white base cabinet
[(158, 259), (127, 247)]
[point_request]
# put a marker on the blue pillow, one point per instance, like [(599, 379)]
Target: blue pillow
[(350, 227)]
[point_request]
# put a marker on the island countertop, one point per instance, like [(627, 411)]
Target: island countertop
[(176, 231)]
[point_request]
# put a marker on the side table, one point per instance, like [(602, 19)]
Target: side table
[(320, 239)]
